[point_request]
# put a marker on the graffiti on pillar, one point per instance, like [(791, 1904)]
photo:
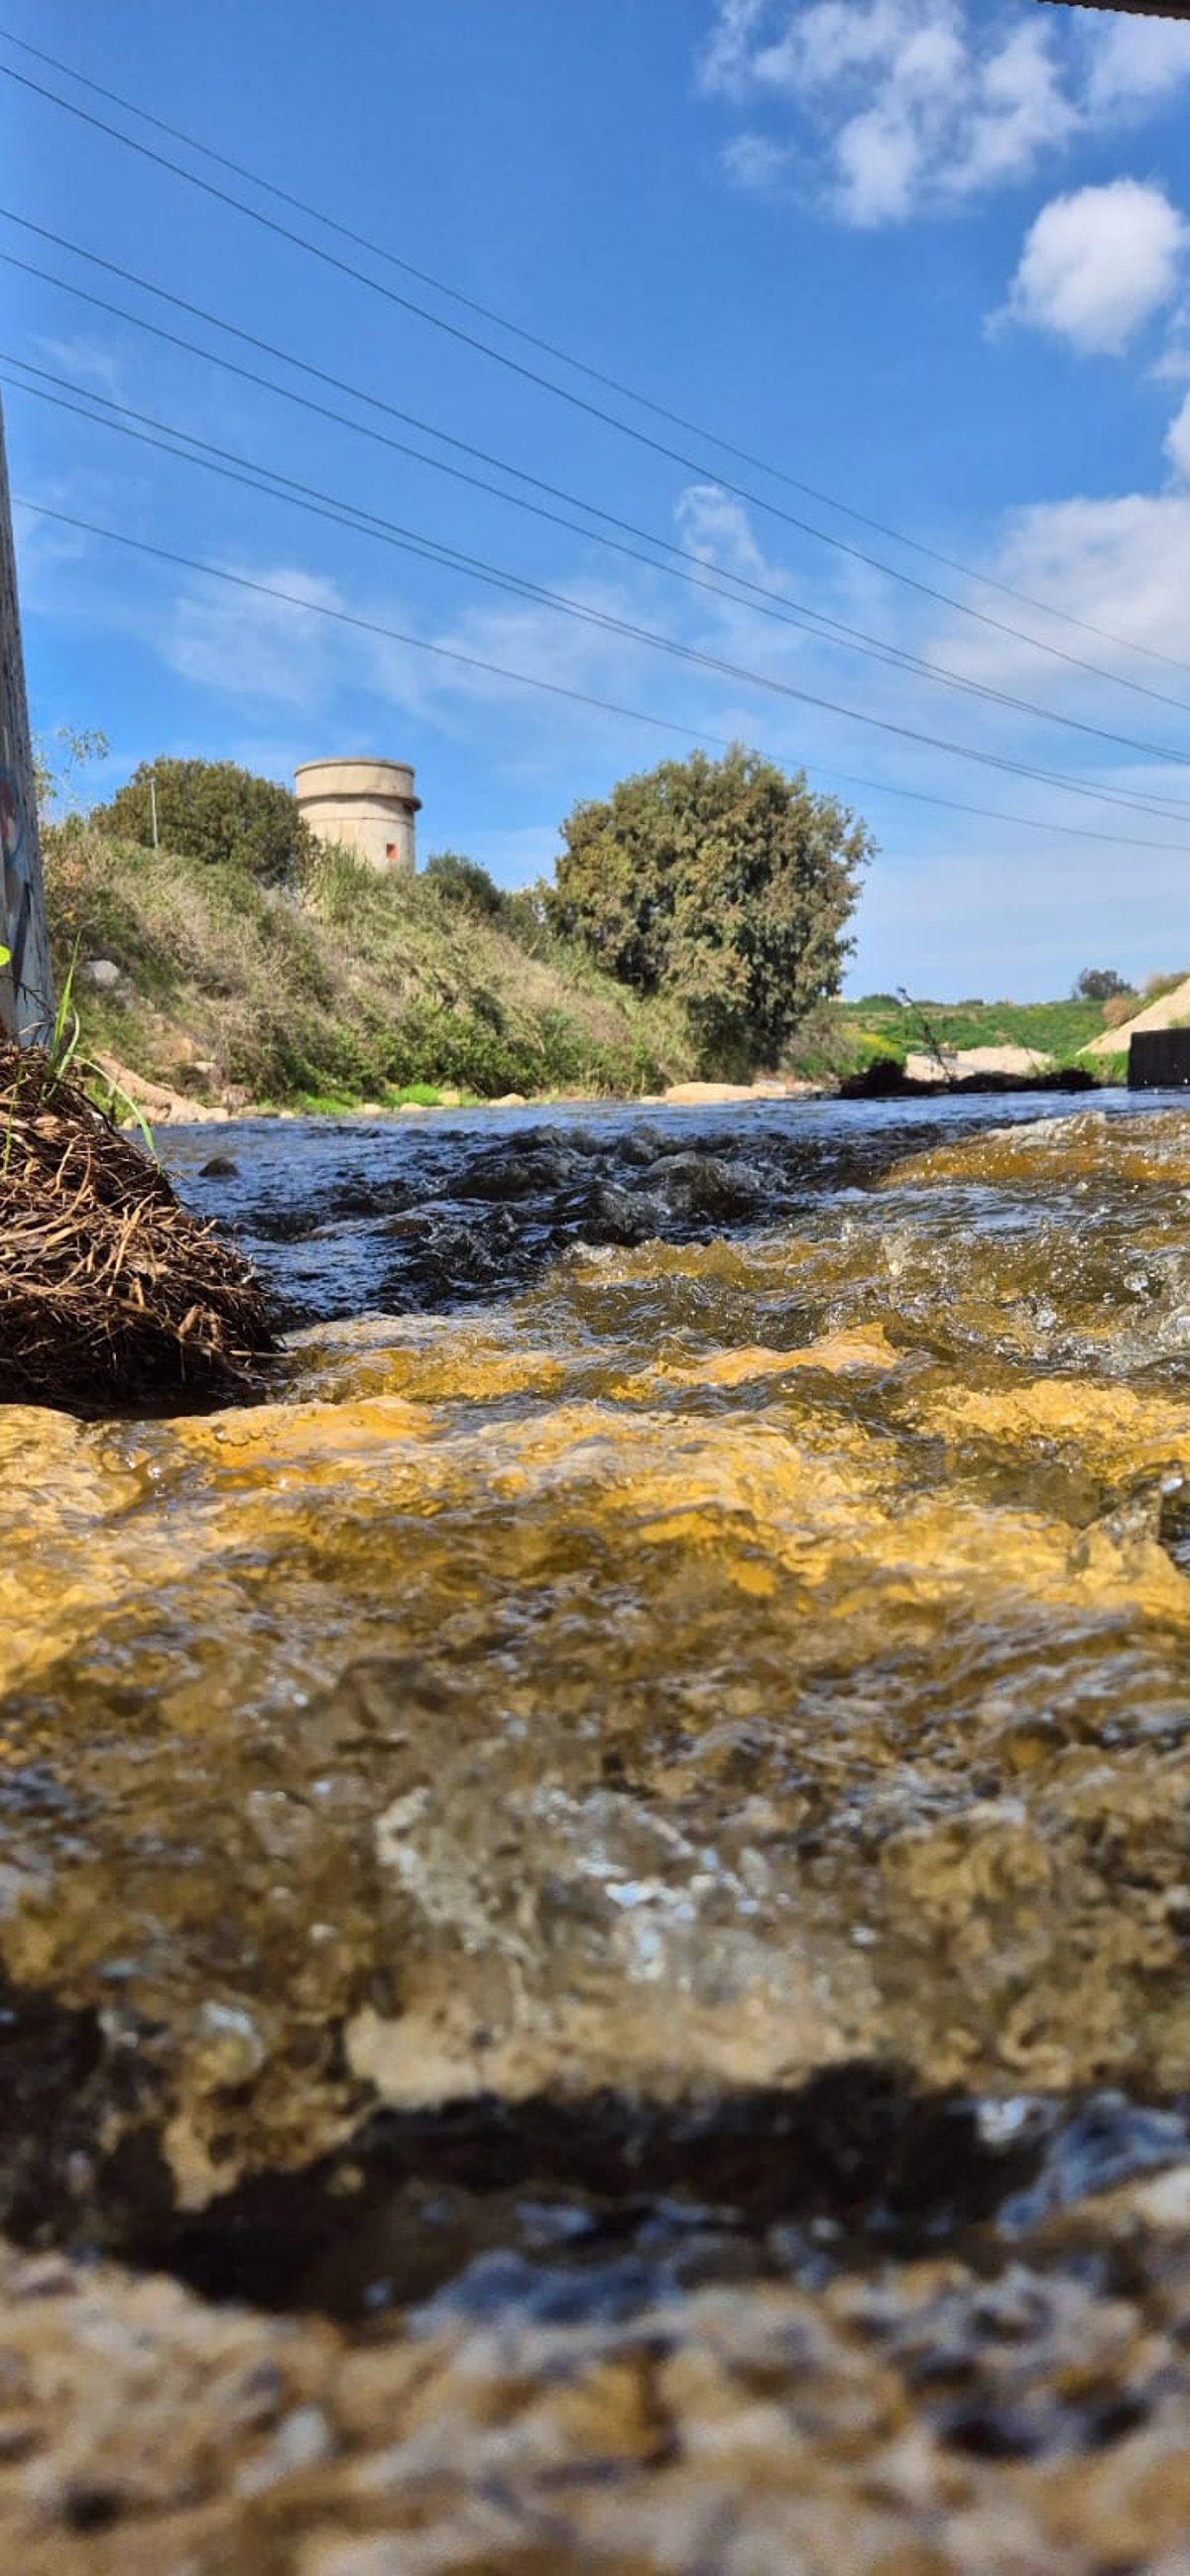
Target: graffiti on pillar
[(26, 976), (12, 818), (16, 890)]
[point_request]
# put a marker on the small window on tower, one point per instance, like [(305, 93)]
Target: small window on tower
[(392, 852)]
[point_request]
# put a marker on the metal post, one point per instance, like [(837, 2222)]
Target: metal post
[(153, 809), (26, 974)]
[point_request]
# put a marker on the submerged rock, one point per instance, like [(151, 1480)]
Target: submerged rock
[(929, 2416), (460, 1815), (476, 1209), (719, 1664)]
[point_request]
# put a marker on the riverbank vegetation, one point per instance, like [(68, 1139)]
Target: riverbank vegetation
[(896, 1026), (346, 986), (697, 924)]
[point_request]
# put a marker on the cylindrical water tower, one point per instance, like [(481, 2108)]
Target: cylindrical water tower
[(368, 806)]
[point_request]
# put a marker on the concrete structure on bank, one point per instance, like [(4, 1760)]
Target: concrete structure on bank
[(365, 805), (1159, 1060)]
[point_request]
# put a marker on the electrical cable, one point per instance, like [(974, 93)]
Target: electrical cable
[(531, 375), (596, 375), (580, 696), (745, 592), (324, 504)]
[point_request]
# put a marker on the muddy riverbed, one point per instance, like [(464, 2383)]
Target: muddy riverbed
[(612, 1868)]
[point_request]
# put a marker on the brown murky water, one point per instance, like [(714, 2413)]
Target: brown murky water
[(630, 1841)]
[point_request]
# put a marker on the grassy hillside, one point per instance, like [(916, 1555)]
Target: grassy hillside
[(361, 987), (367, 987), (1057, 1029)]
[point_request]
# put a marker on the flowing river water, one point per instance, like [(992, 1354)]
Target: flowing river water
[(613, 1864)]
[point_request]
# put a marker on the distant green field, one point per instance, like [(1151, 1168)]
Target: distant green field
[(1057, 1029)]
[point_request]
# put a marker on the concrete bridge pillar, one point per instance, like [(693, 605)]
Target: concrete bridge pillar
[(26, 975)]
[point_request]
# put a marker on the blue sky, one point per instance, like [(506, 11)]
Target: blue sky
[(930, 258)]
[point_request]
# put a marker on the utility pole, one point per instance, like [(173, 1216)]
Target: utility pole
[(26, 974)]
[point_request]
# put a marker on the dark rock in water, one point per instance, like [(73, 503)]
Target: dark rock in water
[(613, 1213), (323, 1224), (500, 1175), (705, 1186), (457, 1255), (885, 1079), (219, 1167)]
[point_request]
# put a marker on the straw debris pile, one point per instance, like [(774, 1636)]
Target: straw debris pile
[(111, 1295)]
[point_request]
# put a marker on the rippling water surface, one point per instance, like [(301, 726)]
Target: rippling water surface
[(690, 1664)]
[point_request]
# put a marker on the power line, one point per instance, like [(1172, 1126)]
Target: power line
[(793, 611), (532, 375), (324, 504), (550, 349), (990, 813), (790, 611), (554, 688), (711, 578), (585, 697), (262, 479), (365, 625)]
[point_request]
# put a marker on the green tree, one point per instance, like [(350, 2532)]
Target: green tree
[(211, 810), (464, 883), (1100, 984), (722, 882)]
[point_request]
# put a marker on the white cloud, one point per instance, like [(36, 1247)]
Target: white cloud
[(897, 106), (254, 648), (85, 361), (1173, 365), (716, 527), (878, 161), (757, 161), (1118, 565), (726, 64), (1020, 112), (1099, 264), (1177, 444), (1130, 62)]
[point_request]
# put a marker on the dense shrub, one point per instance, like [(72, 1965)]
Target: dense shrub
[(361, 985), (213, 811), (723, 883), (464, 883)]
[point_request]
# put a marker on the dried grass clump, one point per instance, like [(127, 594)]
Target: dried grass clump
[(112, 1296)]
